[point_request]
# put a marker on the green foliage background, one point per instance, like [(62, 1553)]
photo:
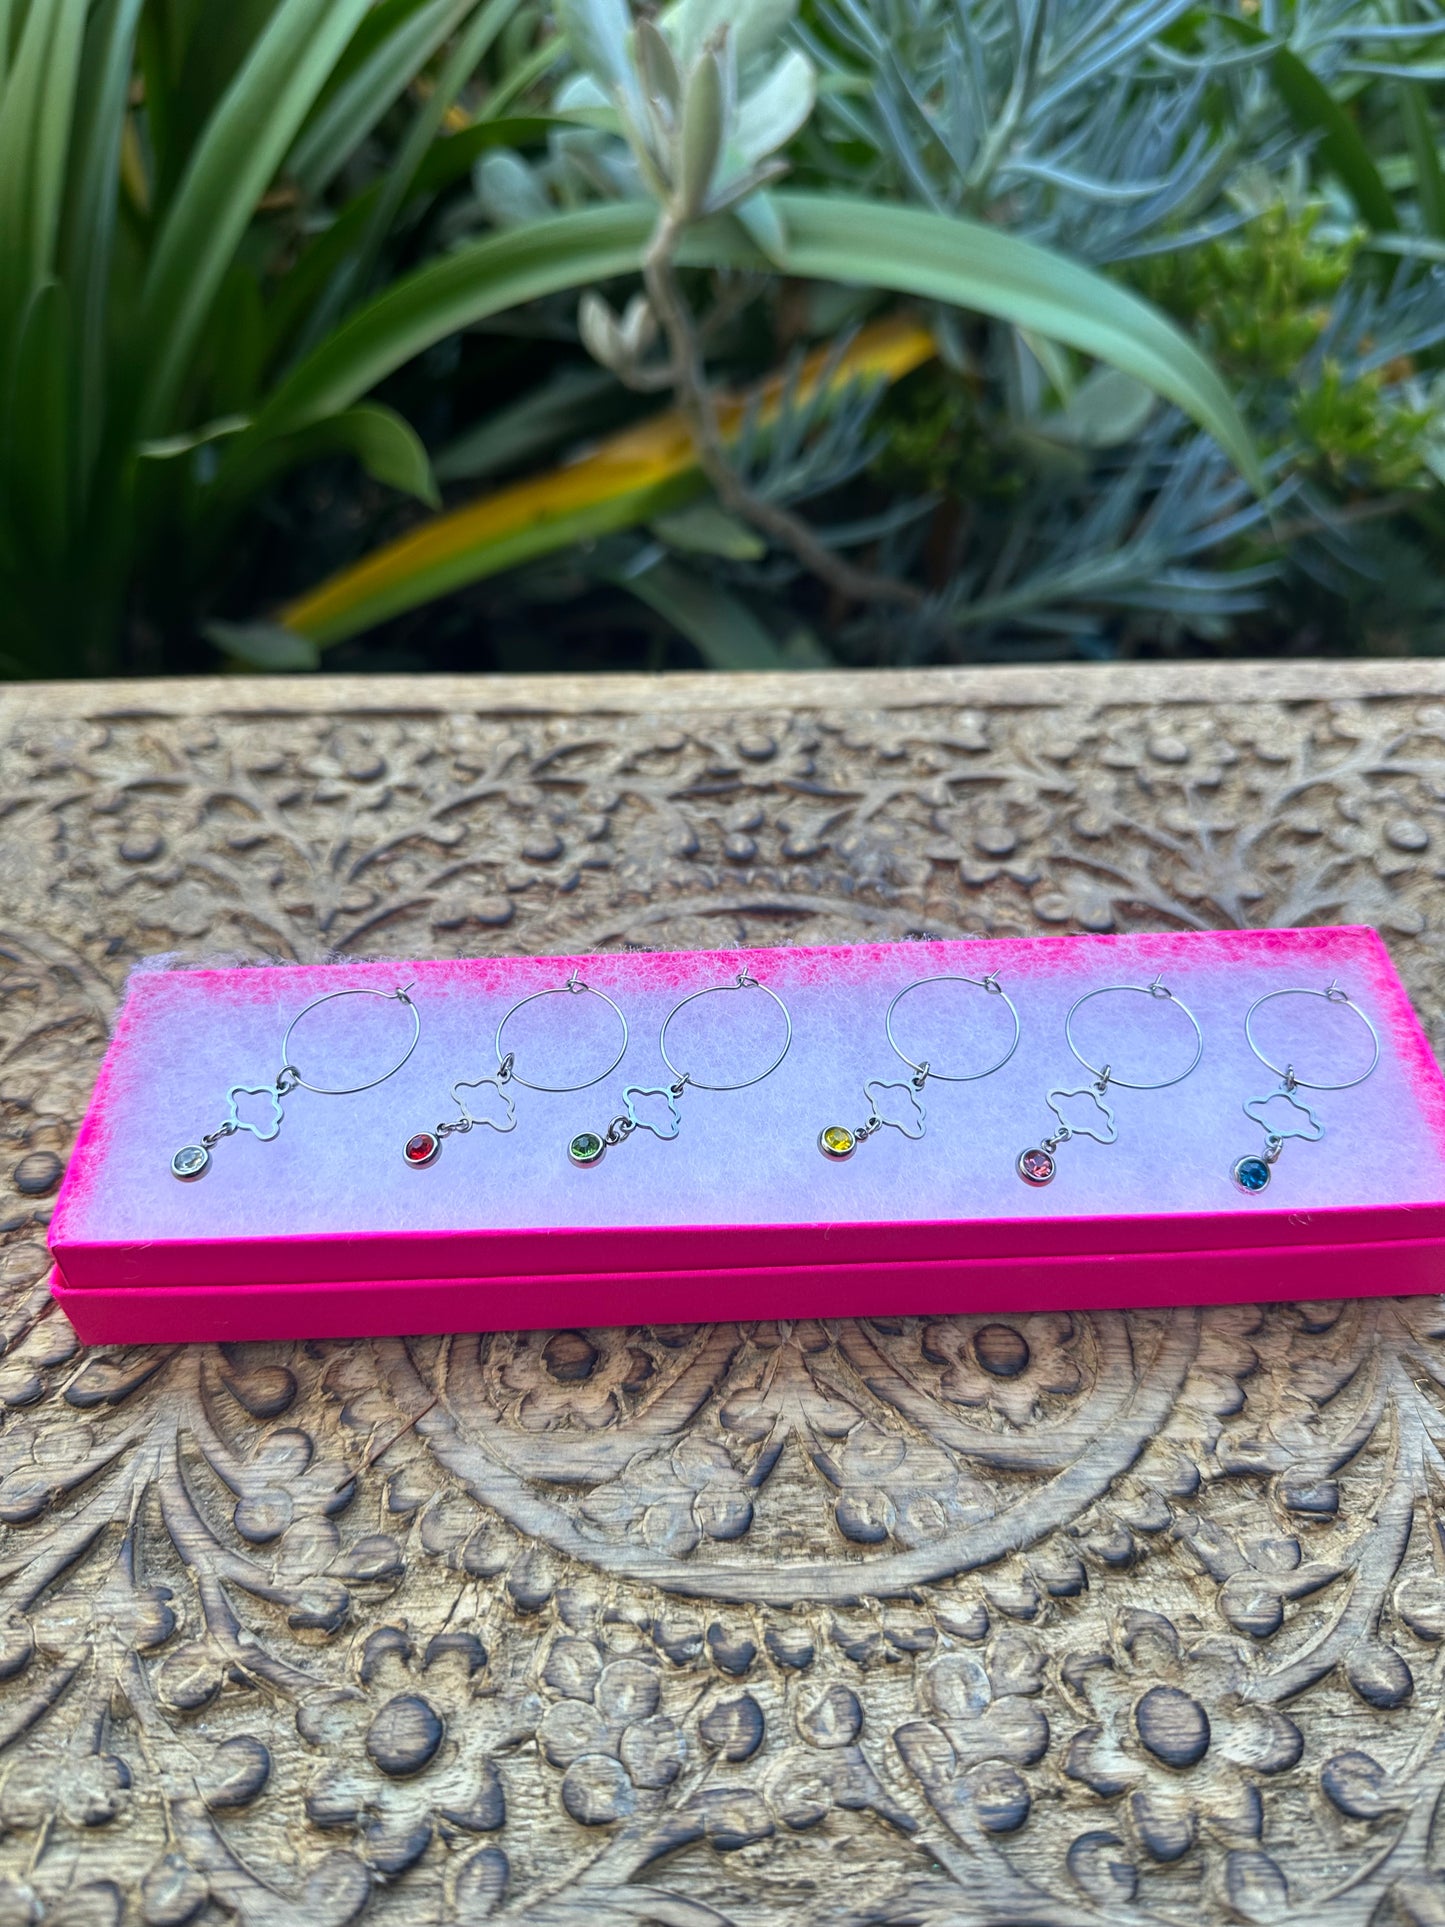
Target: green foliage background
[(280, 279)]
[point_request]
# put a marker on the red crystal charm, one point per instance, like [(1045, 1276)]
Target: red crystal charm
[(421, 1149)]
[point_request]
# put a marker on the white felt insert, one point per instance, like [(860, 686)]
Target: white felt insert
[(751, 1156)]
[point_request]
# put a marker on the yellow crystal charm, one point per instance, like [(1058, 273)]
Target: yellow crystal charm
[(837, 1142)]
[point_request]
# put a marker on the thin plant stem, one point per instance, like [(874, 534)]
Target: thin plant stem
[(695, 400)]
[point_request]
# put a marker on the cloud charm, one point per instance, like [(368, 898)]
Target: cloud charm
[(254, 1090), (509, 1109), (915, 1113), (674, 1115), (1101, 1133), (1311, 1130)]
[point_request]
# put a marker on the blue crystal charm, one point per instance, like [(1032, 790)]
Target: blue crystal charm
[(1250, 1173)]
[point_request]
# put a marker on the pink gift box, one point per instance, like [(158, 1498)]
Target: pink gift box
[(326, 1231)]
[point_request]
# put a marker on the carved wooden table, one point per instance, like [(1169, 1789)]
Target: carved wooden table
[(1105, 1619)]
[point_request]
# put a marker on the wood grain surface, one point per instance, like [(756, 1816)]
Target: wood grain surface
[(625, 1626)]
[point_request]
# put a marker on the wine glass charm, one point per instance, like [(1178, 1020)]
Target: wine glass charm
[(1279, 1113), (425, 1147), (1038, 1164), (838, 1142), (193, 1161), (589, 1147)]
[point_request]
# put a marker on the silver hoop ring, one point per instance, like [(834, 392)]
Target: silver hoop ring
[(572, 988), (1333, 995), (1156, 990), (988, 984), (360, 990), (745, 981)]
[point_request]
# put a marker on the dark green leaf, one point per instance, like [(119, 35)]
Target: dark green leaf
[(350, 281), (36, 109), (39, 481), (88, 225), (297, 302), (723, 630), (1429, 179), (1316, 113), (573, 403), (385, 444), (1314, 110), (238, 155), (349, 111)]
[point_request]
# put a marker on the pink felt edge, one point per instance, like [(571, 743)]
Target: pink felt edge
[(318, 1258), (186, 1314)]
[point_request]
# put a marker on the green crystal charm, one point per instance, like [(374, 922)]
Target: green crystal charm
[(586, 1148)]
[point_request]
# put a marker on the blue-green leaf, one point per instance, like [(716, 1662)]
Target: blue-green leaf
[(264, 646)]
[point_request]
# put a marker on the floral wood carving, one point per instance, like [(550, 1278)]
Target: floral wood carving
[(1030, 1620)]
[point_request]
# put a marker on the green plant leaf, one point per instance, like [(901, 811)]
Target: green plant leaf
[(935, 257), (39, 483), (525, 75), (707, 529), (421, 140), (1106, 408), (336, 256), (723, 630), (36, 111), (88, 222), (755, 26), (230, 169), (599, 34), (773, 112), (165, 448), (658, 69), (486, 277), (509, 191), (385, 444), (970, 265), (263, 645), (701, 132), (348, 113), (1426, 70), (760, 221), (1315, 112), (388, 448), (1429, 178), (572, 403), (1408, 247), (1314, 109)]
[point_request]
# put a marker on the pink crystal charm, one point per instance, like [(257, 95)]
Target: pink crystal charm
[(1036, 1166)]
